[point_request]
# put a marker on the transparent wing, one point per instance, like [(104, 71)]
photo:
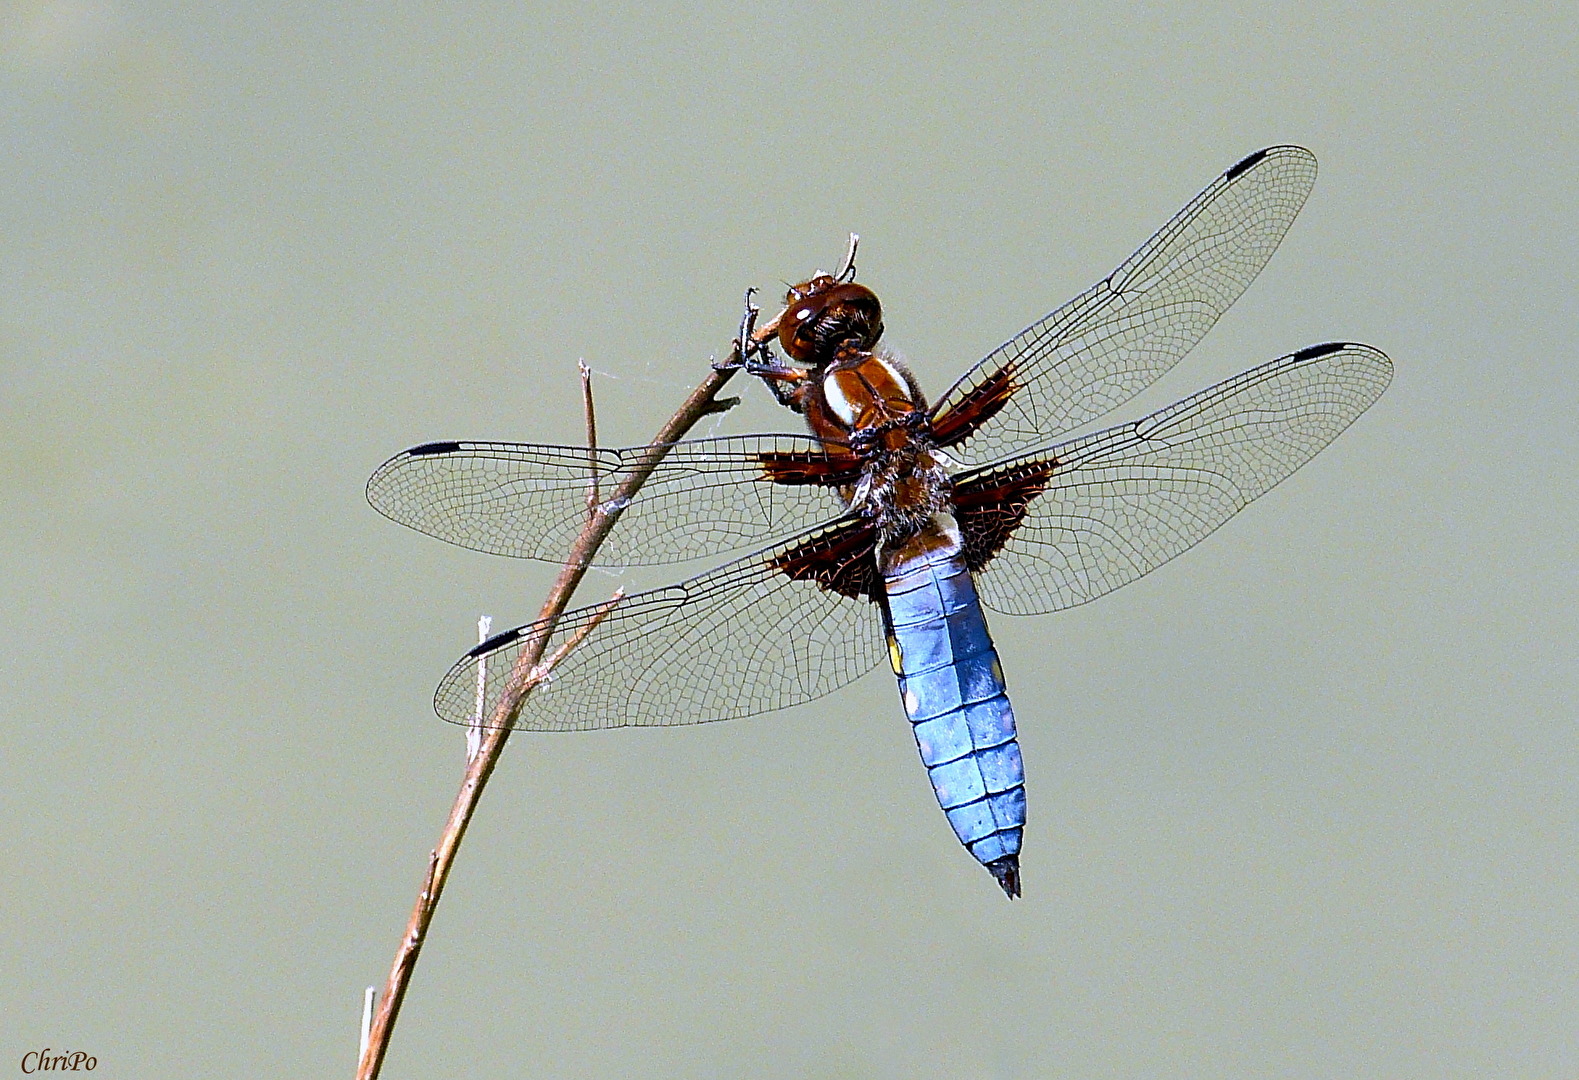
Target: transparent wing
[(1105, 346), (706, 497), (1118, 504), (745, 638)]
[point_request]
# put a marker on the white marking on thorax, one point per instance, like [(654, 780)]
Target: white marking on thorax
[(893, 373), (837, 401)]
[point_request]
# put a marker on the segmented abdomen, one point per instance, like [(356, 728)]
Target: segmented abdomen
[(953, 691)]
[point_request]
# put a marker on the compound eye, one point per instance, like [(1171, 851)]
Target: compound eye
[(797, 338)]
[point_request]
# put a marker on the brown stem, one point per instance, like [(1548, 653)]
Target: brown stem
[(592, 438), (480, 768)]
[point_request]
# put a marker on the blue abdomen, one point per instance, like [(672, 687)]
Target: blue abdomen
[(953, 691)]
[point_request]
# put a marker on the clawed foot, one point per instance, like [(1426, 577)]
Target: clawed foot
[(747, 351), (750, 351)]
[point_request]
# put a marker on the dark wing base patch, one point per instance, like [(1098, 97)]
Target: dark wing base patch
[(989, 507), (796, 467), (958, 421), (842, 560)]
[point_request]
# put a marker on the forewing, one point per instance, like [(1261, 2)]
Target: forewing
[(1105, 346), (754, 635), (706, 497), (1100, 511)]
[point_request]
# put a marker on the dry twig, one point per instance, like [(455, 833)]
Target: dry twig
[(592, 438), (528, 671)]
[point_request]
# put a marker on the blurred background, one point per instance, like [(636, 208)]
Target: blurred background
[(1304, 802)]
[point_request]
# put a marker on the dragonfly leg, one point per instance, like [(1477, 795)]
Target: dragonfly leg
[(752, 355), (749, 344)]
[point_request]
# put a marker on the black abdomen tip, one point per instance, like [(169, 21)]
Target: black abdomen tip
[(1007, 871)]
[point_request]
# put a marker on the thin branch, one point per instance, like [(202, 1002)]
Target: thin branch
[(523, 683), (474, 729), (592, 438), (480, 768), (543, 670), (368, 997)]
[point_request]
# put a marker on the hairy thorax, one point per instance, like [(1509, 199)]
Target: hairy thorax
[(870, 401)]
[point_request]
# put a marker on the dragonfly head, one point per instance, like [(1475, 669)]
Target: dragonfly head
[(822, 314)]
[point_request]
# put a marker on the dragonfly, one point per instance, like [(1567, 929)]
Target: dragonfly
[(894, 525)]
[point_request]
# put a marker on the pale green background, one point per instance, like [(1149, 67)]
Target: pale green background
[(1304, 803)]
